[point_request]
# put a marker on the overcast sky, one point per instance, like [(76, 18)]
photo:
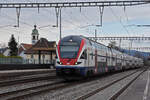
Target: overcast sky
[(74, 22)]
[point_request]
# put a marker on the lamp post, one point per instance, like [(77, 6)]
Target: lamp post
[(95, 35), (60, 22)]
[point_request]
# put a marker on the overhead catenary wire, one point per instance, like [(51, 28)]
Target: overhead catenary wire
[(7, 31), (71, 19), (11, 18), (66, 20), (85, 16), (127, 19), (119, 20)]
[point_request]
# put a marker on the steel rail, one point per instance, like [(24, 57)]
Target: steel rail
[(45, 88), (27, 80), (106, 86), (15, 95), (6, 75), (115, 96)]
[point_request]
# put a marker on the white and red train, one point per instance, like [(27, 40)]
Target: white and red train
[(78, 56)]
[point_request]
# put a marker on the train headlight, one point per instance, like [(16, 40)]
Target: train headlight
[(78, 63), (59, 62)]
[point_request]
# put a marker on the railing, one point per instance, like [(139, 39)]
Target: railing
[(11, 61), (24, 61), (34, 61)]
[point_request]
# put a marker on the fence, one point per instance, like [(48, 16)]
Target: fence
[(19, 63), (11, 61), (34, 61), (24, 61)]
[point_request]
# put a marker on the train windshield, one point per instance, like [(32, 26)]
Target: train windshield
[(69, 50)]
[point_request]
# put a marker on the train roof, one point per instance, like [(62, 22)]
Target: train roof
[(80, 37)]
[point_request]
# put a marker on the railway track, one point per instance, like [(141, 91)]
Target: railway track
[(115, 95), (26, 80), (16, 95), (25, 77), (18, 73), (55, 86), (14, 79)]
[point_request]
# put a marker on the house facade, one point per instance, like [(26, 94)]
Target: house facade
[(5, 51), (40, 51), (43, 51), (22, 48)]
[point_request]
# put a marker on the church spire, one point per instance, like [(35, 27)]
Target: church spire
[(35, 35), (34, 26)]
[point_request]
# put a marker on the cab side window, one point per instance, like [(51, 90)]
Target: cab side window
[(84, 55)]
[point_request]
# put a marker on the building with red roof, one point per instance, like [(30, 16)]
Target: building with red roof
[(22, 48), (40, 51)]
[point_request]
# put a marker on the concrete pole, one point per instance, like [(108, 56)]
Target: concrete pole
[(60, 22), (95, 35)]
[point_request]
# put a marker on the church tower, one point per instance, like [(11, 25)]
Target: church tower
[(35, 35)]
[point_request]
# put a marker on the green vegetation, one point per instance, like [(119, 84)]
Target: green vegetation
[(10, 59), (13, 46), (2, 56)]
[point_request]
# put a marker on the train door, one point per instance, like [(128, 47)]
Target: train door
[(123, 61), (90, 57), (109, 60), (84, 56), (113, 59), (88, 61), (96, 64)]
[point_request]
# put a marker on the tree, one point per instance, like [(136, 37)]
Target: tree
[(13, 46)]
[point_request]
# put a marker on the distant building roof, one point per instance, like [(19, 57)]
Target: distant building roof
[(24, 47), (42, 45), (2, 50)]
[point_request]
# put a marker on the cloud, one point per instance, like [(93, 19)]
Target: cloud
[(114, 20)]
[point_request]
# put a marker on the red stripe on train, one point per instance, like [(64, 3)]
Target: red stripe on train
[(71, 61), (58, 50)]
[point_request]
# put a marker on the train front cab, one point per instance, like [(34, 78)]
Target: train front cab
[(75, 70), (70, 62)]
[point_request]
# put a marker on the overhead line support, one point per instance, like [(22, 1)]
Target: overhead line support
[(18, 15), (74, 4), (101, 10), (57, 15)]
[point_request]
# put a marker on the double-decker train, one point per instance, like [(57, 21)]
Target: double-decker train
[(78, 56)]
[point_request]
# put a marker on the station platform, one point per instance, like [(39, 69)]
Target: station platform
[(139, 89), (4, 73)]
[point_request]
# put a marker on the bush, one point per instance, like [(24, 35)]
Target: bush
[(13, 57), (2, 56)]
